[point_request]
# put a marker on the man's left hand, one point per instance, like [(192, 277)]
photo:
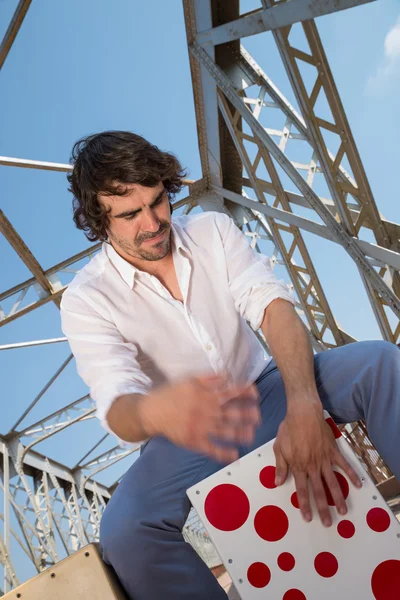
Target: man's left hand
[(306, 445)]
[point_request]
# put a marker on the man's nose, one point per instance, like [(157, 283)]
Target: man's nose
[(150, 221)]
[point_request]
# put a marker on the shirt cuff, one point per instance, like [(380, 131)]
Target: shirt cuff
[(105, 399), (262, 296)]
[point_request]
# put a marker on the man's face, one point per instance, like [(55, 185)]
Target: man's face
[(140, 222)]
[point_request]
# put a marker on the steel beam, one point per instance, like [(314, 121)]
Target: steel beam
[(198, 16), (7, 530), (278, 15), (13, 29), (381, 256), (101, 462), (295, 243), (33, 343), (339, 232), (58, 421), (52, 274), (41, 393), (26, 256), (25, 163)]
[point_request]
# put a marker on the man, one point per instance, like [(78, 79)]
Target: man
[(157, 323)]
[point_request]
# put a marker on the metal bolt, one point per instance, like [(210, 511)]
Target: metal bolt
[(230, 561), (52, 575), (374, 497), (240, 580), (362, 478), (228, 473), (197, 492), (19, 595), (259, 455), (398, 535), (87, 553)]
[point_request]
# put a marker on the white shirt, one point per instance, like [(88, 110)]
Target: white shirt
[(129, 334)]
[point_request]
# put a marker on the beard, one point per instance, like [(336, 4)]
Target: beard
[(136, 249)]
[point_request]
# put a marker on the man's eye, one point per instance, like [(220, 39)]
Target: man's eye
[(130, 217)]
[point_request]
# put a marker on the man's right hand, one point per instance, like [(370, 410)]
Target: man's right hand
[(199, 412)]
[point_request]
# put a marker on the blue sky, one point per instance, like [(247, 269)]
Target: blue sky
[(81, 67)]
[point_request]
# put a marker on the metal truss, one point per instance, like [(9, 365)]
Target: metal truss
[(247, 158)]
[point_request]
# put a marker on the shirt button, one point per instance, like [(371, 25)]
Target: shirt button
[(208, 347)]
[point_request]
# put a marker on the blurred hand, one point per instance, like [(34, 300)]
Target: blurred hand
[(198, 412)]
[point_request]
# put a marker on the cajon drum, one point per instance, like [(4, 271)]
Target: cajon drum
[(81, 576), (270, 553)]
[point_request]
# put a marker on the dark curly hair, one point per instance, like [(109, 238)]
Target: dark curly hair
[(104, 162)]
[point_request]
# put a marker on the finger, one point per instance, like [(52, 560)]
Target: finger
[(282, 468), (242, 402), (246, 414), (224, 431), (340, 461), (247, 435), (218, 453), (320, 497), (334, 488), (300, 479)]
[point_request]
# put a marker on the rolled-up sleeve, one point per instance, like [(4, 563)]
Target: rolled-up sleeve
[(107, 364), (252, 282)]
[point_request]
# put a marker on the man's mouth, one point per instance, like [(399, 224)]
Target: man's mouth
[(156, 239)]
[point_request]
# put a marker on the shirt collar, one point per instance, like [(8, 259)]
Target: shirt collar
[(127, 271)]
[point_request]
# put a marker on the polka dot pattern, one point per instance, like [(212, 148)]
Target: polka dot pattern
[(227, 507), (294, 594), (271, 523), (346, 529), (385, 580), (344, 486), (286, 561), (326, 564), (258, 575), (295, 500), (267, 477), (378, 519)]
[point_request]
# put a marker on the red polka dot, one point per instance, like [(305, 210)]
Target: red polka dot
[(294, 595), (378, 519), (344, 486), (271, 523), (334, 427), (227, 507), (385, 580), (258, 575), (267, 477), (346, 529), (294, 500), (326, 564), (286, 561)]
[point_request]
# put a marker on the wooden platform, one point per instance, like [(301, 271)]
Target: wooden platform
[(81, 576)]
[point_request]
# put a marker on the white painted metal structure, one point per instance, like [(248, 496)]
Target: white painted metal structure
[(51, 509)]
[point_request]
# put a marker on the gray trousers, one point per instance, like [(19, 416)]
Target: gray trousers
[(141, 527)]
